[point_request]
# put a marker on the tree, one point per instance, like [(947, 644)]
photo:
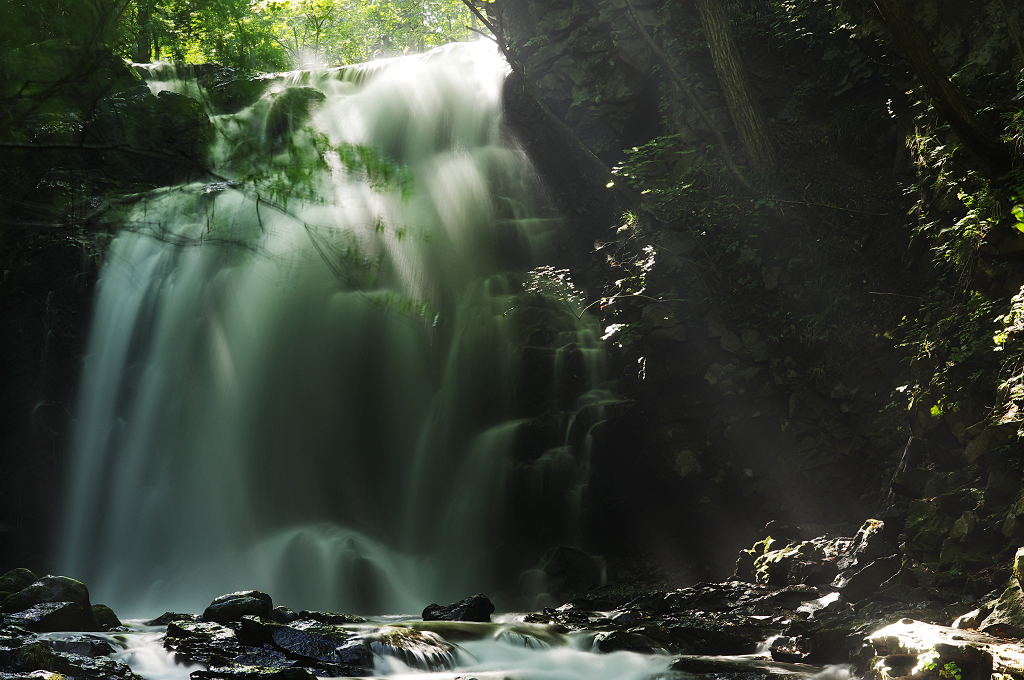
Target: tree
[(750, 122)]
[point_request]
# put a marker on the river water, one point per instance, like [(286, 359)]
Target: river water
[(313, 373)]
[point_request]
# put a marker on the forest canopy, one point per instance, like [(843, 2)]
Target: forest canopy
[(263, 35)]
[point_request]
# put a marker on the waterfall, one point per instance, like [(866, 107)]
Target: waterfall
[(331, 374)]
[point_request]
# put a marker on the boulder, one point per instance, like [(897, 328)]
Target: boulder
[(168, 617), (622, 641), (871, 542), (313, 645), (475, 608), (51, 617), (41, 656), (106, 619), (283, 615), (202, 641), (15, 581), (233, 606), (82, 645), (809, 562), (46, 590)]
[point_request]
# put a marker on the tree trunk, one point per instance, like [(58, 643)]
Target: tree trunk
[(142, 53), (948, 100), (751, 124)]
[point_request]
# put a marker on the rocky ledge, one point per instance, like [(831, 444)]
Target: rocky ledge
[(831, 600)]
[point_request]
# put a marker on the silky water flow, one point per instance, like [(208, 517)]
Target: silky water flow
[(323, 374)]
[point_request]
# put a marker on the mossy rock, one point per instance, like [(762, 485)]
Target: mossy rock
[(48, 589), (15, 581), (105, 617)]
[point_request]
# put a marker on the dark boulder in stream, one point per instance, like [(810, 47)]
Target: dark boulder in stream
[(233, 606), (48, 604), (475, 608)]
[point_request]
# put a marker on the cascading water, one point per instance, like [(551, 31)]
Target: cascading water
[(324, 375)]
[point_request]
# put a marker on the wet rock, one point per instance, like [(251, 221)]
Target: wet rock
[(332, 618), (271, 658), (475, 608), (421, 650), (253, 673), (75, 665), (857, 584), (786, 649), (41, 656), (46, 590), (333, 670), (713, 597), (283, 615), (202, 641), (233, 606), (168, 617), (871, 542), (355, 652), (741, 669), (105, 618), (315, 644), (50, 617), (82, 645), (622, 641), (719, 633)]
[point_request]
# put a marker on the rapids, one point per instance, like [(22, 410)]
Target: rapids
[(310, 374)]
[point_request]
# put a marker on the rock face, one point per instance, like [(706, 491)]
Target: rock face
[(475, 608), (1007, 617)]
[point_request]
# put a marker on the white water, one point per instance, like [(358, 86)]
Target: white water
[(502, 651), (315, 390)]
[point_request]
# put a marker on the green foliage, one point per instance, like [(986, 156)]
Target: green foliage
[(966, 337), (35, 656), (272, 35), (949, 671), (557, 284), (786, 24)]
